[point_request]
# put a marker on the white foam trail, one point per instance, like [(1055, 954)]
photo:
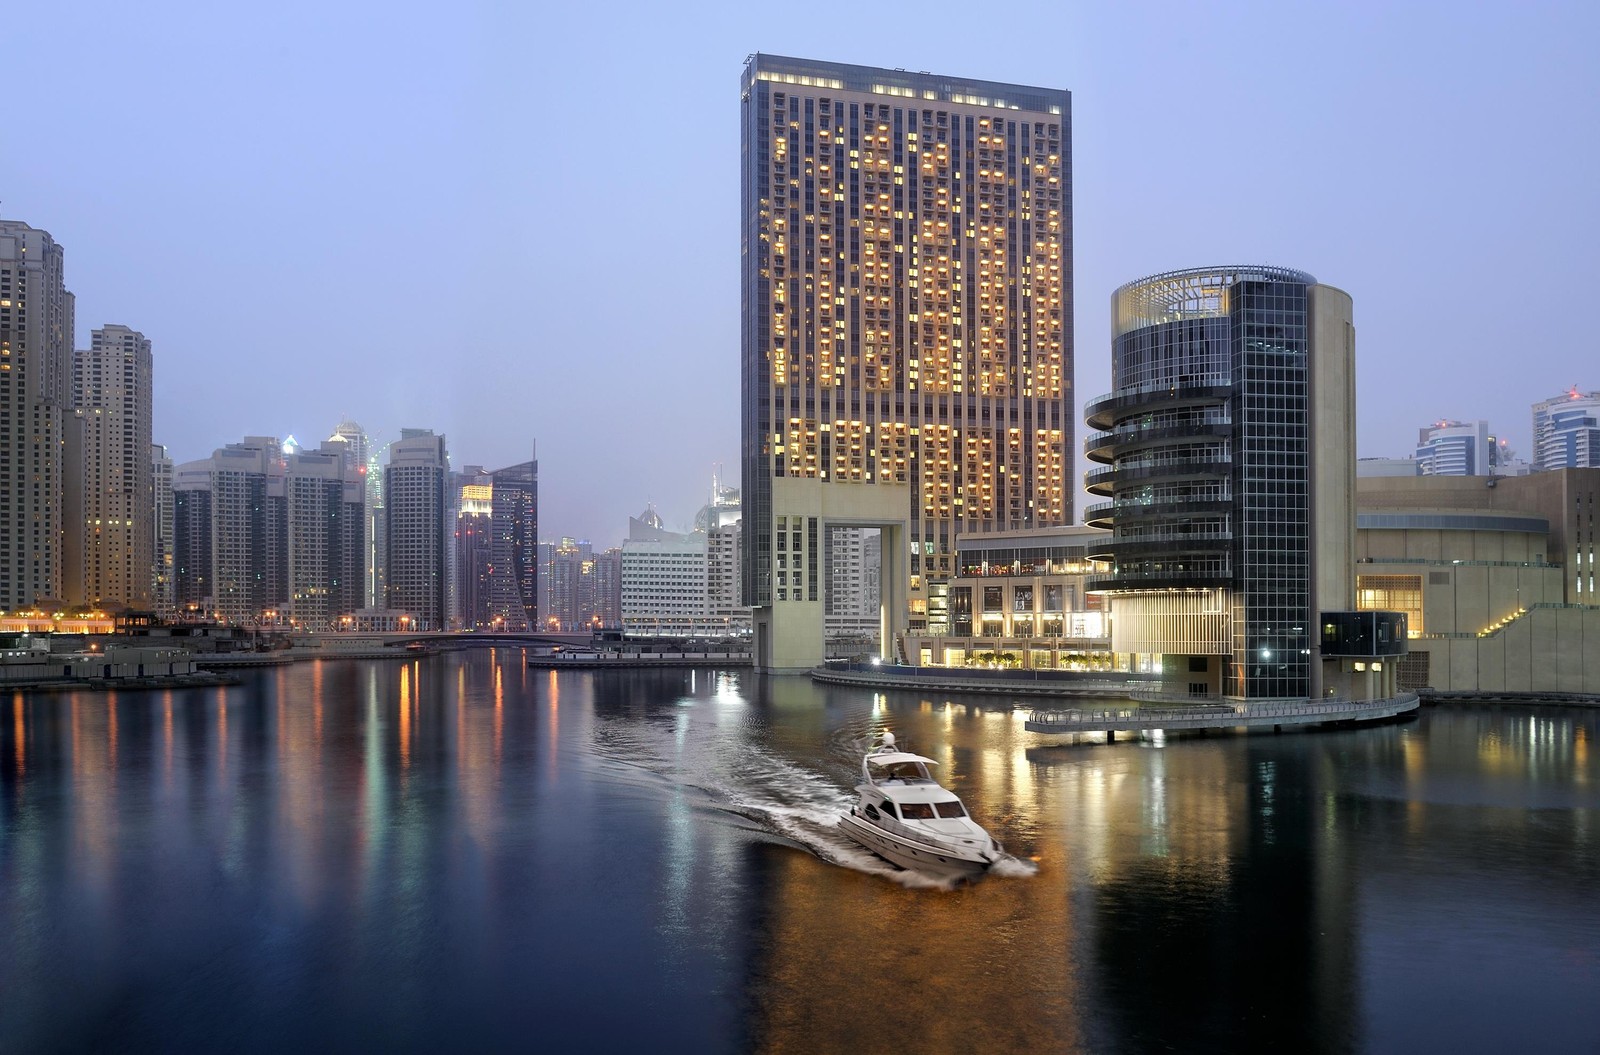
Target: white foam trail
[(794, 802), (814, 824), (1009, 867)]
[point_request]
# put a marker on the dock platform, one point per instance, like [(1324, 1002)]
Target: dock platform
[(1218, 715)]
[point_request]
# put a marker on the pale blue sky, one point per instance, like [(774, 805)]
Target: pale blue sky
[(510, 221)]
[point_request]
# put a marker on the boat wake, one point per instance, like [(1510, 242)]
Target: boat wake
[(803, 808), (797, 804)]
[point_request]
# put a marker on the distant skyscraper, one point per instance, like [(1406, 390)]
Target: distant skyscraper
[(547, 564), (719, 520), (358, 456), (111, 393), (514, 551), (497, 556), (193, 570), (907, 307), (1456, 448), (852, 605), (1566, 431), (416, 511), (36, 340), (571, 562), (247, 530), (161, 553), (260, 537), (608, 588), (473, 540), (378, 526), (325, 507)]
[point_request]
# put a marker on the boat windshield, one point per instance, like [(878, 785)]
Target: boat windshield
[(905, 771), (917, 811), (952, 808)]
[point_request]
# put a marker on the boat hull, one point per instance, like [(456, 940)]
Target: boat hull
[(909, 854)]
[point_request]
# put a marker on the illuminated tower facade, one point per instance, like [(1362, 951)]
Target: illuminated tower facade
[(111, 391), (497, 553), (36, 327), (907, 322), (514, 553)]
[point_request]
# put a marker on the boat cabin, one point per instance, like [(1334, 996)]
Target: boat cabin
[(898, 766), (937, 809)]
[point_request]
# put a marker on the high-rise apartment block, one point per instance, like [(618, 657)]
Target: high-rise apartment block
[(1229, 461), (719, 521), (1566, 431), (569, 600), (324, 505), (907, 328), (161, 555), (417, 522), (356, 446), (193, 570), (111, 535), (36, 341), (850, 564), (248, 533), (261, 536), (608, 588)]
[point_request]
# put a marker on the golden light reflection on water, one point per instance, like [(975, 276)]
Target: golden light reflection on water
[(19, 731), (850, 963), (831, 959), (553, 689), (222, 731), (499, 714), (316, 701), (405, 716), (111, 731), (166, 738)]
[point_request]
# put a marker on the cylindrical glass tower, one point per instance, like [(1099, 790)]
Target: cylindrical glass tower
[(1206, 451)]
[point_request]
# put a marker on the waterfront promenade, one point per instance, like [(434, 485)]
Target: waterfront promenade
[(1276, 714), (1127, 702)]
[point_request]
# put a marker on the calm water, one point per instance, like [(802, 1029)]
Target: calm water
[(459, 853)]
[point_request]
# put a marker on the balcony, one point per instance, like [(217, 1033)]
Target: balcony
[(1107, 514), (1102, 412), (1103, 446), (1104, 481)]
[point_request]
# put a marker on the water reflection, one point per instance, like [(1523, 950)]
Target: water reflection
[(458, 852)]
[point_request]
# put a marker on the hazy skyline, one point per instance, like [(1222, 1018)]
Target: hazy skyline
[(511, 223)]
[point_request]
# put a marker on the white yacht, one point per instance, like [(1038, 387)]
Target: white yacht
[(905, 817)]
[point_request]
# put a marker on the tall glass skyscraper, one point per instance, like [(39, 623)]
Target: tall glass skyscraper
[(907, 320)]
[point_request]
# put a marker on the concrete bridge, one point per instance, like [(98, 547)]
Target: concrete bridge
[(348, 644)]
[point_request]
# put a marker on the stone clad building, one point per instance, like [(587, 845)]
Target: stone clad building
[(1497, 577)]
